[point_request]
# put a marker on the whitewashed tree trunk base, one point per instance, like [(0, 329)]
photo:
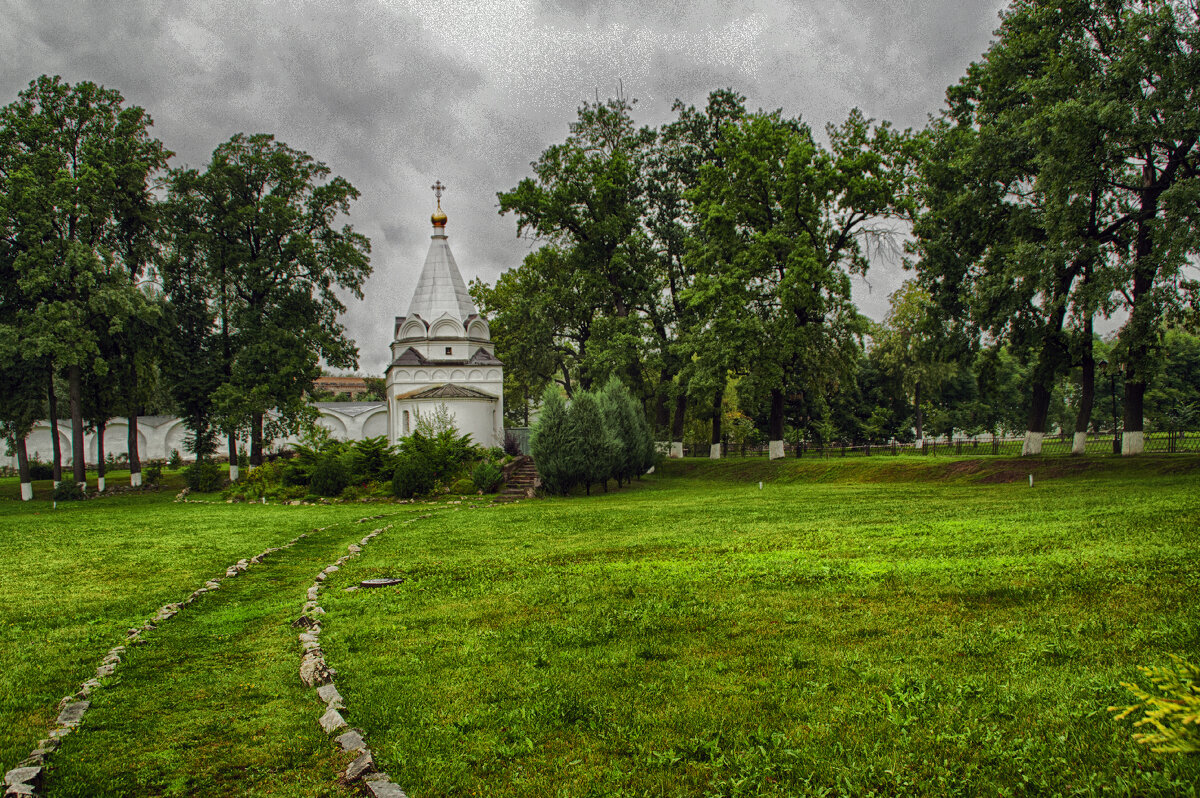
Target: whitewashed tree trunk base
[(677, 450), (1133, 443), (26, 491), (233, 473), (775, 450), (99, 484), (135, 480), (1033, 443), (919, 444), (714, 451), (1079, 445)]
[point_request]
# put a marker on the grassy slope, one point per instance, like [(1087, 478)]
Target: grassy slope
[(867, 625)]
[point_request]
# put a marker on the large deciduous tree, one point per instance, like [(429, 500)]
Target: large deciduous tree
[(273, 259), (783, 222), (65, 155)]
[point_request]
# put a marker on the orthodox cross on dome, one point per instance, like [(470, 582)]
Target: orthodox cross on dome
[(439, 217)]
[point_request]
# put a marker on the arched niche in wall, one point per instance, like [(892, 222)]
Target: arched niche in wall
[(413, 328), (478, 328)]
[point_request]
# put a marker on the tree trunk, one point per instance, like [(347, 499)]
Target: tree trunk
[(23, 470), (775, 425), (1087, 391), (131, 447), (100, 464), (681, 402), (1139, 331), (233, 458), (56, 446), (131, 442), (256, 440), (917, 417), (714, 450), (79, 464), (1039, 410)]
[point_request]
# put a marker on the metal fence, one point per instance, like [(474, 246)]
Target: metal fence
[(1010, 446)]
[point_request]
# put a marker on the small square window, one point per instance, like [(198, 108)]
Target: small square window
[(449, 350)]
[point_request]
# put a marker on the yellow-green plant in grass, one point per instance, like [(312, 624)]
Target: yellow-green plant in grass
[(1173, 715)]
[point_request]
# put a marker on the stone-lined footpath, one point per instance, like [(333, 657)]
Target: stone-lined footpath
[(314, 672), (24, 779)]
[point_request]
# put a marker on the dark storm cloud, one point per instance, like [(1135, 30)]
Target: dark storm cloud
[(392, 95)]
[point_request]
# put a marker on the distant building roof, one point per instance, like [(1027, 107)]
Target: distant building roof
[(446, 391)]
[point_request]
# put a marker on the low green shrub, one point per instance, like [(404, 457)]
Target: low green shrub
[(203, 476), (40, 470), (414, 476), (175, 461), (487, 477), (68, 491), (462, 487), (152, 472), (330, 476)]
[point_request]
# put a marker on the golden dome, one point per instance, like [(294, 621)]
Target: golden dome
[(438, 217)]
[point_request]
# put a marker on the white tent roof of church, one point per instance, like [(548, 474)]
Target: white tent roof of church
[(441, 289)]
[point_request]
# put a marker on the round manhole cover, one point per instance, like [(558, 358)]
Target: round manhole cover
[(379, 582)]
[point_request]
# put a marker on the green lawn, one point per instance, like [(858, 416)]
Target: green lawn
[(853, 627), (869, 625)]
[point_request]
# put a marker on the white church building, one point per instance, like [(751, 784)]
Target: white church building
[(442, 356), (442, 353)]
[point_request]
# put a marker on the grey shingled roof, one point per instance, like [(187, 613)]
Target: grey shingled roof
[(447, 391)]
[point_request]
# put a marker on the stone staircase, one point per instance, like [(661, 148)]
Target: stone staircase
[(520, 479)]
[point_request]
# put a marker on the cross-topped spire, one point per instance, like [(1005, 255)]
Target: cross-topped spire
[(439, 216)]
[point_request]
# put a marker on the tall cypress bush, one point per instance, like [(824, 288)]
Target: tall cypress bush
[(619, 409), (593, 449), (550, 443)]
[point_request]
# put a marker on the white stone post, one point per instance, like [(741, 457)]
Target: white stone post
[(1033, 443), (775, 450), (1133, 442)]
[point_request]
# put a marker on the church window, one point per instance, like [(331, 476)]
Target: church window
[(406, 422), (449, 350)]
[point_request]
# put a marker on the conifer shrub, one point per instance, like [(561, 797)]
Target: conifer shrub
[(487, 477), (550, 444), (371, 459), (175, 461), (593, 449), (620, 416)]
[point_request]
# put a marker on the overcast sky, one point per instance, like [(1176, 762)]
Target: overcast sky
[(395, 94)]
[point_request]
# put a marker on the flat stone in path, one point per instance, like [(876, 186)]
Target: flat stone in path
[(384, 789), (23, 775), (332, 720), (352, 741), (19, 789), (313, 670), (359, 767), (72, 714), (330, 695), (312, 593)]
